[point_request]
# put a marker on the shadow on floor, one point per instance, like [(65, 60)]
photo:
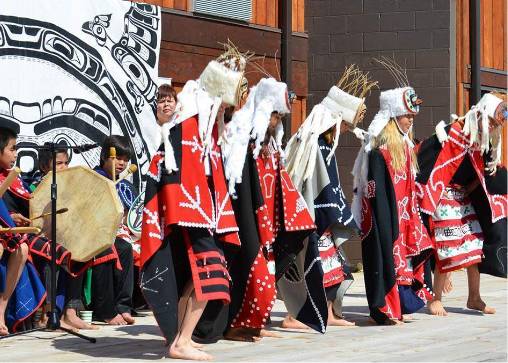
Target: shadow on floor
[(114, 347)]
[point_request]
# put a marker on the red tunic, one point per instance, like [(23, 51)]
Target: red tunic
[(284, 210), (453, 153), (190, 198)]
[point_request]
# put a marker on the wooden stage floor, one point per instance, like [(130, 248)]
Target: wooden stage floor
[(462, 336)]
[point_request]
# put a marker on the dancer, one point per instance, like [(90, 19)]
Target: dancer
[(313, 168), (188, 215), (270, 212), (395, 243), (464, 194)]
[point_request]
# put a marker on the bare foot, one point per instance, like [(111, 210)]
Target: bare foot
[(264, 333), (186, 351), (436, 308), (117, 320), (291, 323), (128, 318), (3, 329), (243, 334), (70, 317), (393, 322), (63, 324), (479, 305), (386, 322), (334, 320), (448, 285), (196, 345), (42, 322), (407, 317)]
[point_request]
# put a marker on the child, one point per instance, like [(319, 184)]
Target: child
[(46, 164), (14, 253), (112, 286), (466, 201), (262, 189), (395, 243), (74, 285), (313, 167)]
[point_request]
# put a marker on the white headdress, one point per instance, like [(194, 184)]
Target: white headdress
[(251, 123), (479, 115), (395, 102), (222, 81), (345, 102)]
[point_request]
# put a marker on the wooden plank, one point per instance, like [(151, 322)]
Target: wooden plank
[(181, 4), (207, 33), (486, 30), (183, 62), (296, 116), (271, 12), (459, 56), (168, 4), (498, 22), (505, 37), (261, 12), (301, 15), (278, 5), (505, 146), (462, 336), (254, 12), (299, 78), (492, 79), (294, 15), (466, 57)]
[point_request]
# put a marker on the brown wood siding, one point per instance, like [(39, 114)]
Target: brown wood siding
[(170, 4), (184, 54), (264, 12), (494, 52)]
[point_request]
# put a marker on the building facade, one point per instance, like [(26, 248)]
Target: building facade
[(192, 31), (431, 38)]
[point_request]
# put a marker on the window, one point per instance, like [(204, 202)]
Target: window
[(233, 9)]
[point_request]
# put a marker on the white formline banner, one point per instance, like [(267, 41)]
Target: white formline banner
[(75, 72)]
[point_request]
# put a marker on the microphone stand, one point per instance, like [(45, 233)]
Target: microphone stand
[(53, 319)]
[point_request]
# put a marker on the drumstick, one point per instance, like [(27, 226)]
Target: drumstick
[(131, 170), (61, 210), (13, 174), (21, 230), (112, 156)]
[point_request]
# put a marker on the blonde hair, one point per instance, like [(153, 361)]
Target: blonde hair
[(391, 137)]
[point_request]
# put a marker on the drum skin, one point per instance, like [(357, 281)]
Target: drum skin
[(90, 225)]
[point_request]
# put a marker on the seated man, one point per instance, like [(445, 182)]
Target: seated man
[(113, 283)]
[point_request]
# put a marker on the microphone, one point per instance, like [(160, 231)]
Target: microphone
[(83, 148)]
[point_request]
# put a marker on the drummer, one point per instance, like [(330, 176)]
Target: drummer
[(113, 281), (74, 286), (16, 200), (45, 164), (17, 258)]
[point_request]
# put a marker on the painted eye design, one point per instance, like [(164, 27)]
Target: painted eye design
[(411, 101)]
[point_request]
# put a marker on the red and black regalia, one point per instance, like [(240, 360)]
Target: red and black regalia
[(395, 242), (29, 293), (465, 200), (272, 220), (283, 222), (187, 219), (312, 165)]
